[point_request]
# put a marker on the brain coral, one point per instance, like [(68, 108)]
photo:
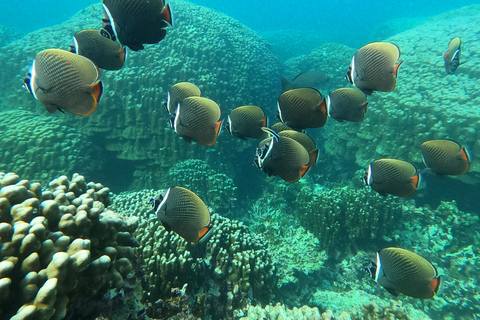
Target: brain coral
[(60, 250), (40, 147), (426, 103), (233, 267), (230, 63)]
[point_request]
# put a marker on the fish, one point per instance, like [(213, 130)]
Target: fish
[(392, 176), (63, 80), (306, 141), (400, 270), (374, 67), (178, 92), (302, 108), (347, 104), (282, 156), (136, 22), (452, 55), (197, 119), (307, 79), (445, 157), (104, 52), (182, 211), (246, 122), (279, 127)]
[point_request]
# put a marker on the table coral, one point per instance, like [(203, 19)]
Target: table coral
[(60, 249)]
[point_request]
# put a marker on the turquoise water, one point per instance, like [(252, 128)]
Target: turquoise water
[(302, 244)]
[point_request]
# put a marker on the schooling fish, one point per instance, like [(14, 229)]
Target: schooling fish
[(196, 118), (246, 122), (392, 176), (347, 104), (374, 67), (282, 156), (452, 55), (182, 211), (307, 79), (178, 92), (136, 22), (104, 52), (302, 108), (280, 126), (62, 80), (445, 157), (400, 270), (306, 141)]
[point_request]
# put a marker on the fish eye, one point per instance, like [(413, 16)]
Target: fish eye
[(105, 33)]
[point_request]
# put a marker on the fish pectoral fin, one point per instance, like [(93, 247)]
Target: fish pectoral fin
[(392, 291)]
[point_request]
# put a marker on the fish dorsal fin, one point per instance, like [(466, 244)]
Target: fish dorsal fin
[(271, 132)]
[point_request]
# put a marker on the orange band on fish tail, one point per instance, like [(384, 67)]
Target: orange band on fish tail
[(323, 106), (264, 122), (395, 69), (313, 157), (435, 284), (97, 90), (304, 170), (203, 232), (123, 54), (416, 180), (167, 14), (218, 126)]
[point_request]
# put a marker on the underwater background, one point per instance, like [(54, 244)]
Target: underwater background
[(278, 250)]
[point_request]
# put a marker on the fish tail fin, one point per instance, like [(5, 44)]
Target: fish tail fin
[(304, 170), (97, 90), (436, 284), (323, 107), (417, 180), (465, 154), (313, 157), (364, 106), (218, 126), (285, 84), (264, 122), (123, 54), (204, 234), (167, 14), (395, 68)]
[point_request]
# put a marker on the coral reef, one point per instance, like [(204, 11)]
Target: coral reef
[(60, 250), (293, 248), (230, 63), (216, 189), (8, 35), (431, 106), (278, 311), (226, 272), (42, 147), (344, 218)]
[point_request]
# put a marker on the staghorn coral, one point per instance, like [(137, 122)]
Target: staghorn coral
[(230, 63), (60, 250), (232, 268), (40, 147), (216, 189)]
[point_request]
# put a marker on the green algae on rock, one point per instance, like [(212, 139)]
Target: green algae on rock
[(60, 249)]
